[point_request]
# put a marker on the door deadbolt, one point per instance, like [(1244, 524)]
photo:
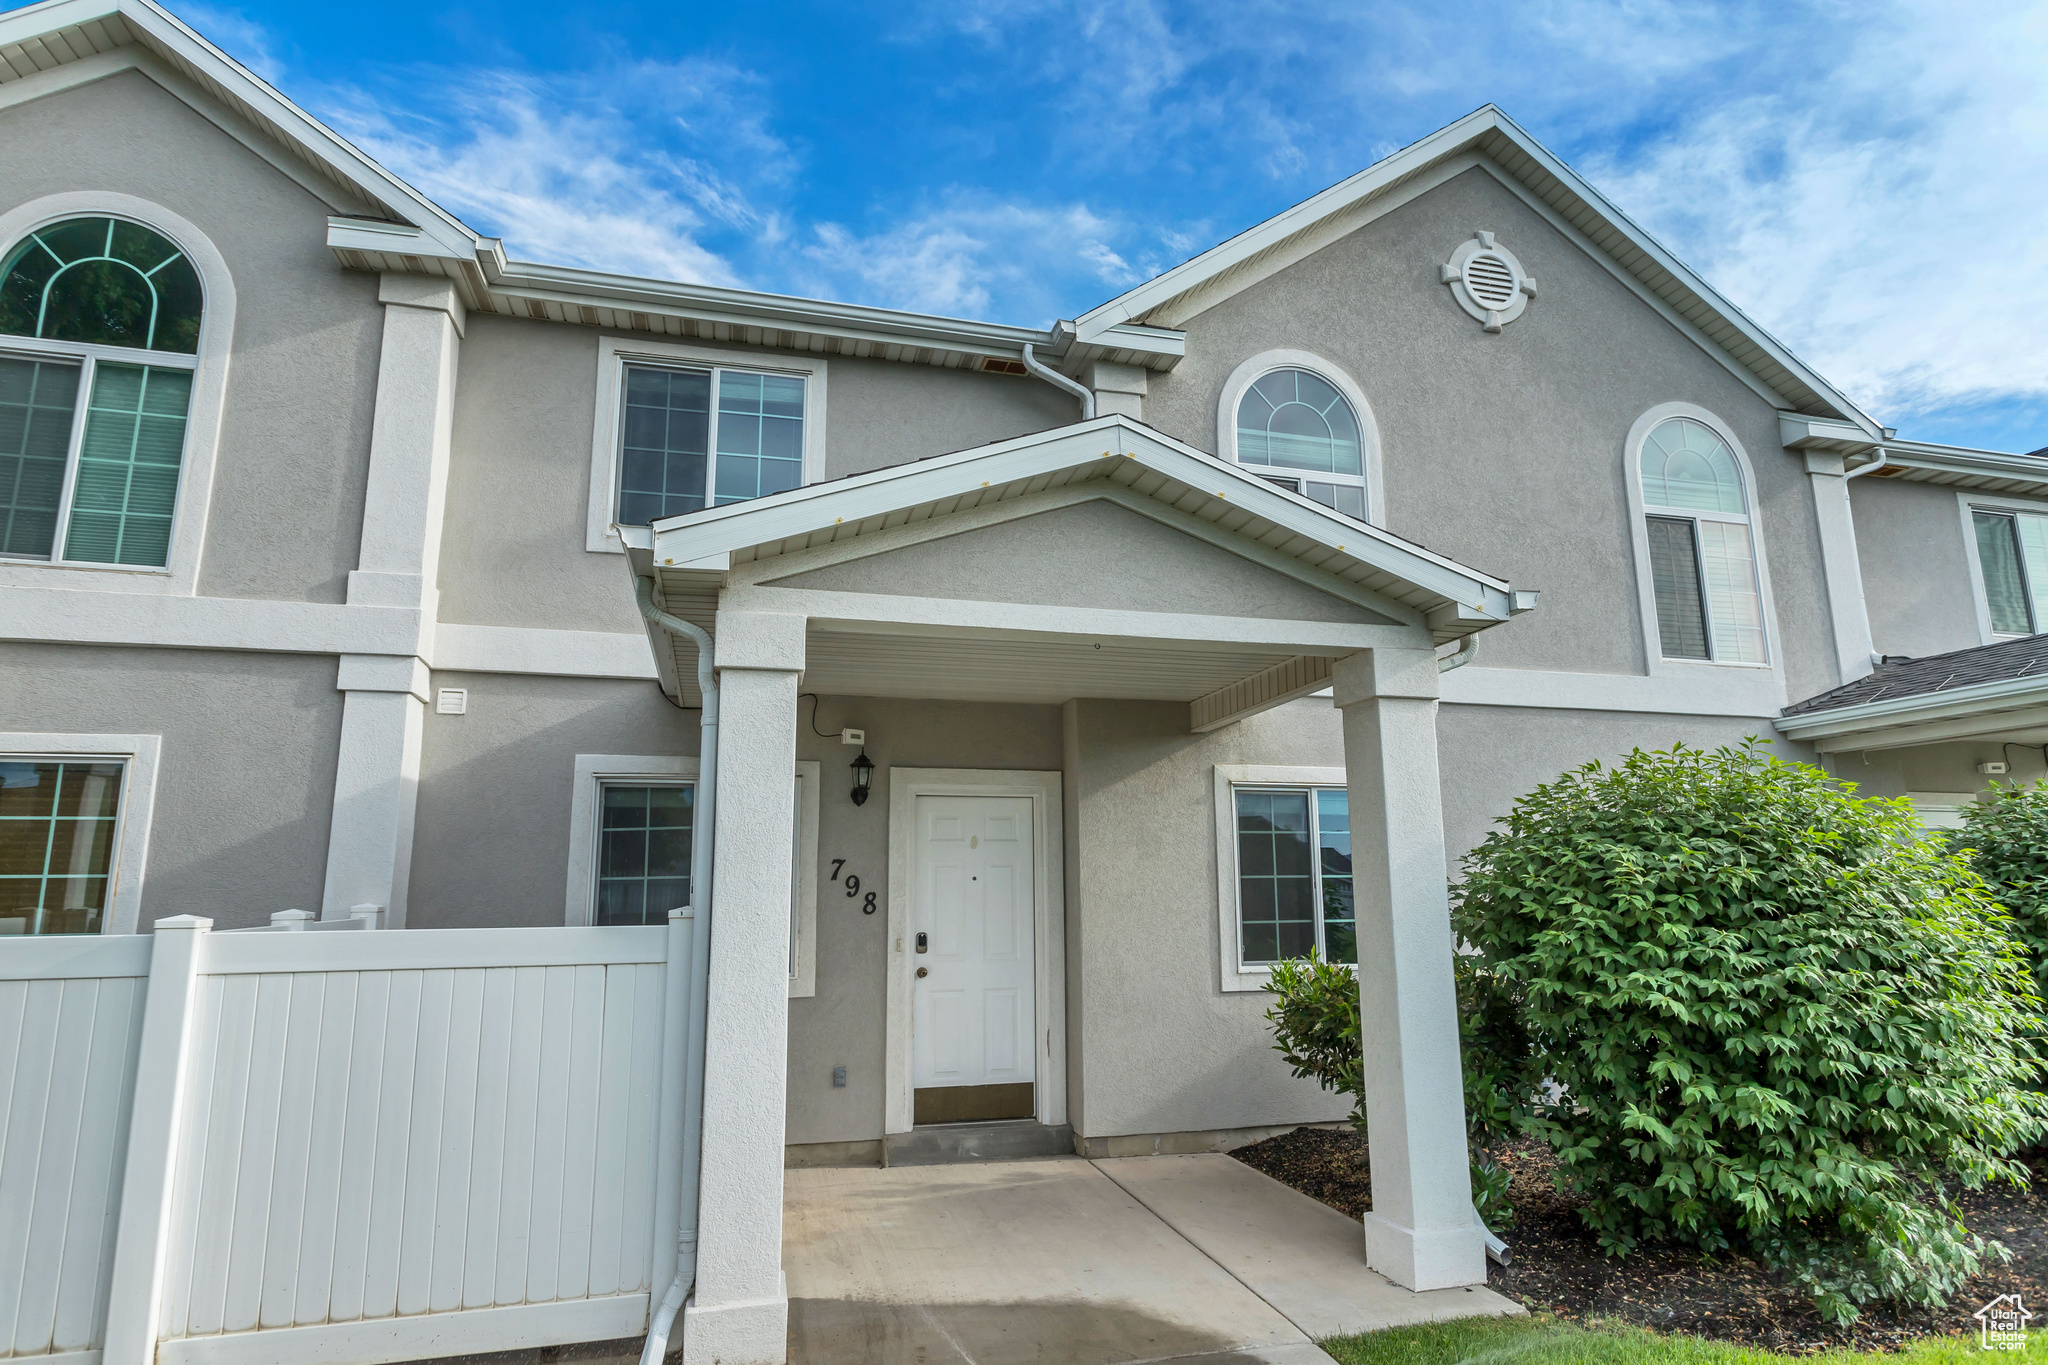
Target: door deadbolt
[(923, 944)]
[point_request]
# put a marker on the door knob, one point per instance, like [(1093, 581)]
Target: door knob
[(924, 971)]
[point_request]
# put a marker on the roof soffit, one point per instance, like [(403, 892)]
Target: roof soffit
[(1488, 138)]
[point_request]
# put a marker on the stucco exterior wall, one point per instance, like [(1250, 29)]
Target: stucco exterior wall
[(1505, 451), (1946, 767), (245, 783), (285, 519), (513, 548), (491, 834), (1911, 543), (1093, 554), (843, 1024)]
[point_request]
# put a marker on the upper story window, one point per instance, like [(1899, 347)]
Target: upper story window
[(99, 339), (2012, 556), (697, 438), (1702, 560), (1296, 423)]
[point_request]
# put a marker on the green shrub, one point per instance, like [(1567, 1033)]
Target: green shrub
[(1315, 1027), (2006, 841), (1778, 1018)]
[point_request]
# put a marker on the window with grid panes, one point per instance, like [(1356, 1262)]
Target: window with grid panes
[(1294, 888), (643, 852), (697, 438), (99, 336), (58, 819)]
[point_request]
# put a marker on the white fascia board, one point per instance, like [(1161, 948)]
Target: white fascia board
[(1989, 464), (1135, 303), (1799, 431), (158, 28), (1446, 142), (1982, 699), (817, 507), (746, 308)]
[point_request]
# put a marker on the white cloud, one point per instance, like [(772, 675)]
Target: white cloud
[(971, 257), (1882, 218), (236, 34), (628, 169)]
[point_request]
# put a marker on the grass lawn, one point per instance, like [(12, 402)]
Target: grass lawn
[(1543, 1340)]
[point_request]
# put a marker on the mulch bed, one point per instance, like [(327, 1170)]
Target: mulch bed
[(1559, 1267)]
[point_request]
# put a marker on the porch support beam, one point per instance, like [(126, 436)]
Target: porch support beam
[(1420, 1232), (1262, 691), (889, 614), (739, 1314)]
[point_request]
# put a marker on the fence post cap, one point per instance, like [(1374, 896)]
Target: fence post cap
[(194, 922)]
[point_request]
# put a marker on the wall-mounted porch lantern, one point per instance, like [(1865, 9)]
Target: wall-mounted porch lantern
[(863, 773)]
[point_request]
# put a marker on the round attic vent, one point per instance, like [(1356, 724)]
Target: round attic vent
[(1488, 282)]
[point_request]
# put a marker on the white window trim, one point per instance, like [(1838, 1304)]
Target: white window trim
[(595, 771), (1969, 501), (1639, 539), (139, 757), (1232, 974), (1263, 364), (1048, 932), (614, 353), (180, 574)]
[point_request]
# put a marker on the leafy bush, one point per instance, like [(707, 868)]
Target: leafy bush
[(1777, 1018), (2006, 841), (1315, 1025)]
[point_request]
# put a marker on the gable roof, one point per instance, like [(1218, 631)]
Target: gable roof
[(1126, 456), (1488, 138)]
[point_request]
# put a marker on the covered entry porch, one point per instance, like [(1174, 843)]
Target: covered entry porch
[(1083, 569)]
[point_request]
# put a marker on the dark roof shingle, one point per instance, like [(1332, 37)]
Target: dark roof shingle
[(1896, 678)]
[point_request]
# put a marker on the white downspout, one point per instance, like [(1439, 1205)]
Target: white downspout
[(1467, 647), (1060, 381), (664, 1319), (1883, 456)]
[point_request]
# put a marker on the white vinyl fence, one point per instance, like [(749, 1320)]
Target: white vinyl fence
[(285, 1147)]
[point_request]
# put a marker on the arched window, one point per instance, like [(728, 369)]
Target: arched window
[(1702, 560), (107, 310), (1296, 424)]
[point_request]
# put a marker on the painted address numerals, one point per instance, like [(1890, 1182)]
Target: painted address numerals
[(851, 881)]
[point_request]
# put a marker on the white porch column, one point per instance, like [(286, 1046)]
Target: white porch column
[(1420, 1232), (739, 1313), (376, 785)]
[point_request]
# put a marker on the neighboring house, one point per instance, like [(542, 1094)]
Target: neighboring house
[(347, 561)]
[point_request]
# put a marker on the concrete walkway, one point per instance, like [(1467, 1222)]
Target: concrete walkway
[(1111, 1262)]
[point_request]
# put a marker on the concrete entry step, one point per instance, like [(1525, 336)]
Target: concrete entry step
[(1003, 1140)]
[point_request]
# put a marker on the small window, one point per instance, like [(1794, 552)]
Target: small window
[(696, 438), (2012, 557), (643, 852), (1702, 560), (1294, 890), (1296, 424), (109, 310), (58, 821)]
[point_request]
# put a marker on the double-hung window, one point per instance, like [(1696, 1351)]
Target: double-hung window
[(99, 338), (58, 821), (1702, 559), (643, 851), (2012, 557), (692, 438), (1294, 874)]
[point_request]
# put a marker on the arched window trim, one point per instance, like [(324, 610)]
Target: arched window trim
[(1265, 363), (209, 365), (1640, 510)]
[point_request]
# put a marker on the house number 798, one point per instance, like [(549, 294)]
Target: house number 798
[(852, 884)]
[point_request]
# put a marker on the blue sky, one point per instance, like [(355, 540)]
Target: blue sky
[(1866, 179)]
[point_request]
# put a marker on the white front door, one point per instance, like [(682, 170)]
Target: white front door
[(973, 1018)]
